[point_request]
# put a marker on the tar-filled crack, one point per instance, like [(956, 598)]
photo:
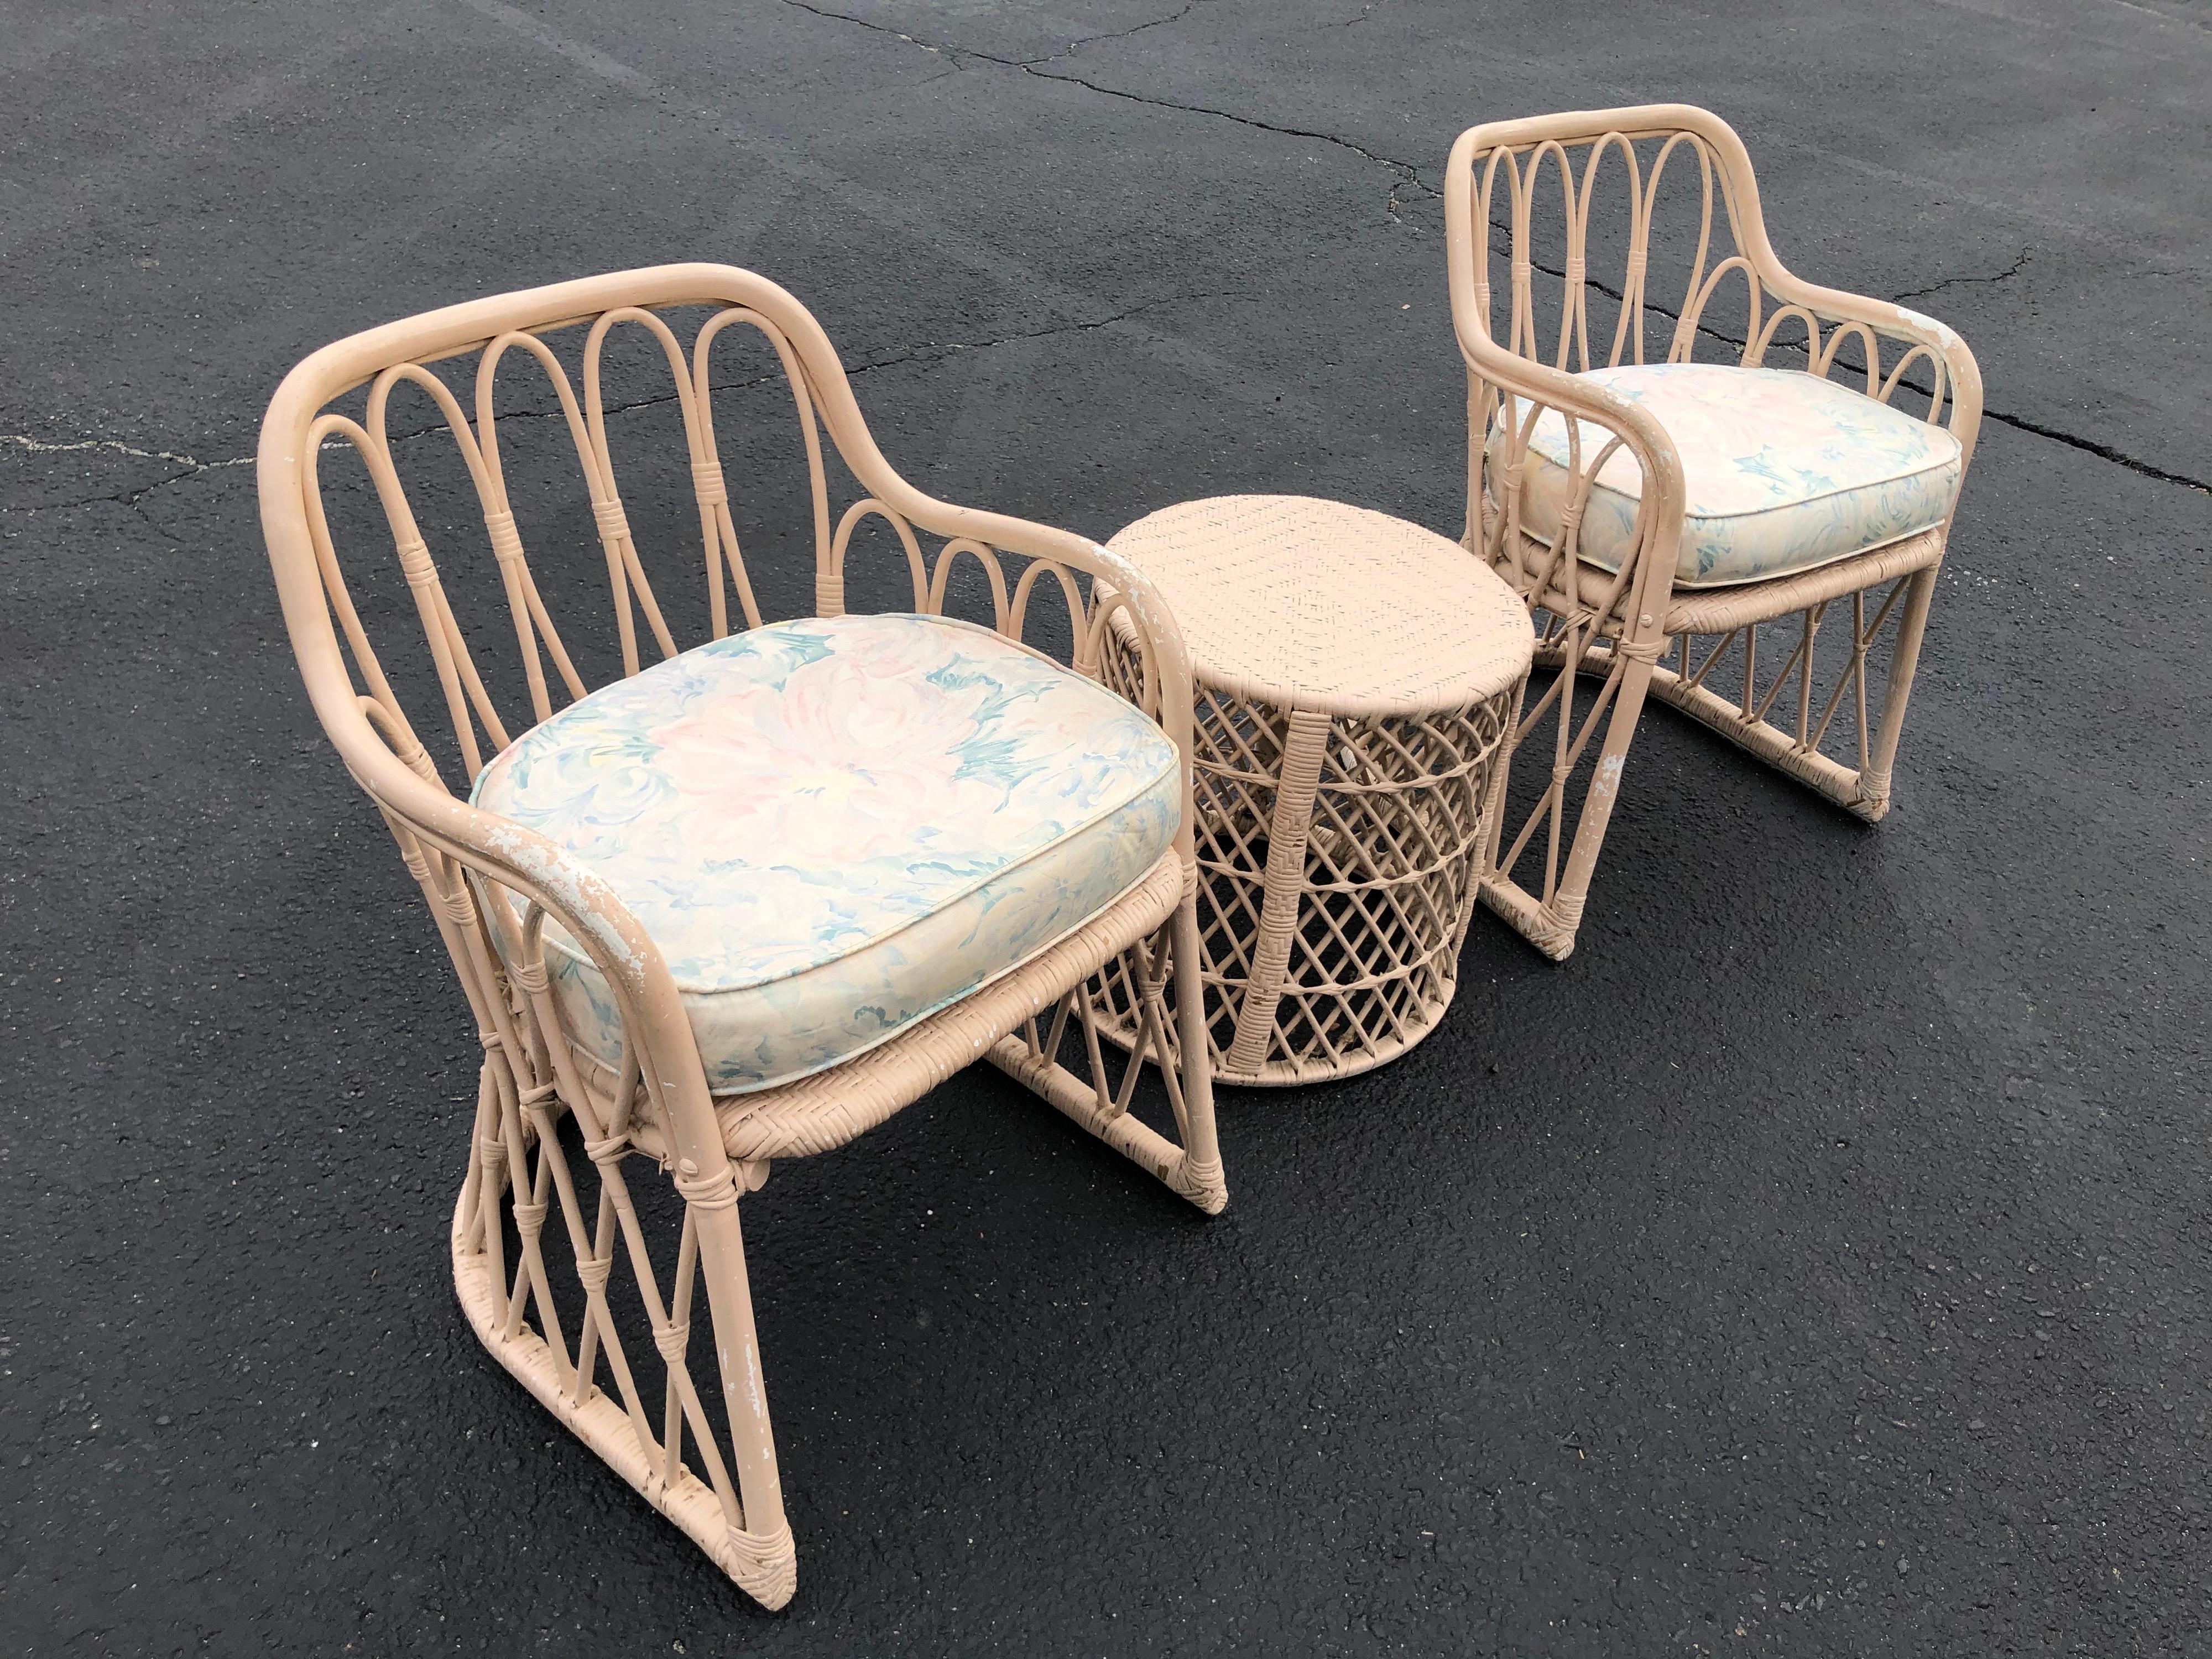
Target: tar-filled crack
[(2009, 271), (2019, 423), (1408, 176), (920, 351)]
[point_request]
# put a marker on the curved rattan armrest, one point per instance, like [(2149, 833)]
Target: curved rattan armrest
[(841, 413), (1586, 400), (1832, 305), (1961, 375), (571, 894)]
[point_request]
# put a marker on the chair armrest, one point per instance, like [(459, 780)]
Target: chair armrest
[(1960, 374), (1882, 318), (568, 892), (1175, 689)]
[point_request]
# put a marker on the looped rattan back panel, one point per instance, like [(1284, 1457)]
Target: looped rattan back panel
[(1637, 247), (562, 505)]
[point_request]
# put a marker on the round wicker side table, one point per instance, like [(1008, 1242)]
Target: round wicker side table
[(1359, 681)]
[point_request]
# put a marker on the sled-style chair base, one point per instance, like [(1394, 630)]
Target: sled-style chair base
[(746, 902), (816, 1114)]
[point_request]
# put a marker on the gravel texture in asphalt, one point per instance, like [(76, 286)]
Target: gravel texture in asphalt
[(1814, 1264)]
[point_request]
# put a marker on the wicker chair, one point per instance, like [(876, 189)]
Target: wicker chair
[(1656, 515), (745, 903)]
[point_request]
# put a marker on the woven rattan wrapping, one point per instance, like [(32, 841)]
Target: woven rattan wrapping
[(1318, 604), (1356, 679)]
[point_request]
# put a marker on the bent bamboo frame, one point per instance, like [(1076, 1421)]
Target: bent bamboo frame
[(1619, 627), (543, 1109)]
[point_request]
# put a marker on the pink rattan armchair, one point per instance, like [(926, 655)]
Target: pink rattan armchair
[(1656, 515), (748, 902)]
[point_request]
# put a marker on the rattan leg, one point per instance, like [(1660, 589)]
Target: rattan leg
[(1200, 1178), (1031, 1057), (1872, 799), (1305, 745), (760, 1554), (1550, 922)]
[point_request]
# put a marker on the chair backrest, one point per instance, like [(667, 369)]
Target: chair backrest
[(1554, 224), (458, 853), (1630, 186)]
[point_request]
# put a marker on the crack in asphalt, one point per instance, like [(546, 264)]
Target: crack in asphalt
[(1114, 34), (920, 351), (1408, 176), (2006, 275), (2102, 451)]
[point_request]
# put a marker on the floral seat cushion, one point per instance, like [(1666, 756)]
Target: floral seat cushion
[(1784, 472), (834, 827)]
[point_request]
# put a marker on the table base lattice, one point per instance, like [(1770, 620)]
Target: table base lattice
[(1337, 865)]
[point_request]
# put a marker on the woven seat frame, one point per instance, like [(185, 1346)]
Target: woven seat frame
[(1555, 216), (554, 1258)]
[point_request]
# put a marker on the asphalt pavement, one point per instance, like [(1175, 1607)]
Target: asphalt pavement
[(1816, 1263)]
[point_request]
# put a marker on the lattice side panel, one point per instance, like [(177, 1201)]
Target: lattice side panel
[(553, 1249), (564, 1250), (1815, 679), (1389, 868), (1390, 865)]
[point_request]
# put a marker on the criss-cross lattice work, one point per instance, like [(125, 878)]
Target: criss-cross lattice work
[(554, 1245), (1366, 960), (1562, 218), (1338, 850)]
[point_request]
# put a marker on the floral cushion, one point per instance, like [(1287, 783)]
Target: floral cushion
[(1784, 472), (832, 828)]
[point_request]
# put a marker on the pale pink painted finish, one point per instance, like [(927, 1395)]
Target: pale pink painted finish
[(1357, 679), (1592, 183), (494, 888)]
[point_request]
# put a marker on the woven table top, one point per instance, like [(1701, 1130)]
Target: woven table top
[(1316, 605)]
